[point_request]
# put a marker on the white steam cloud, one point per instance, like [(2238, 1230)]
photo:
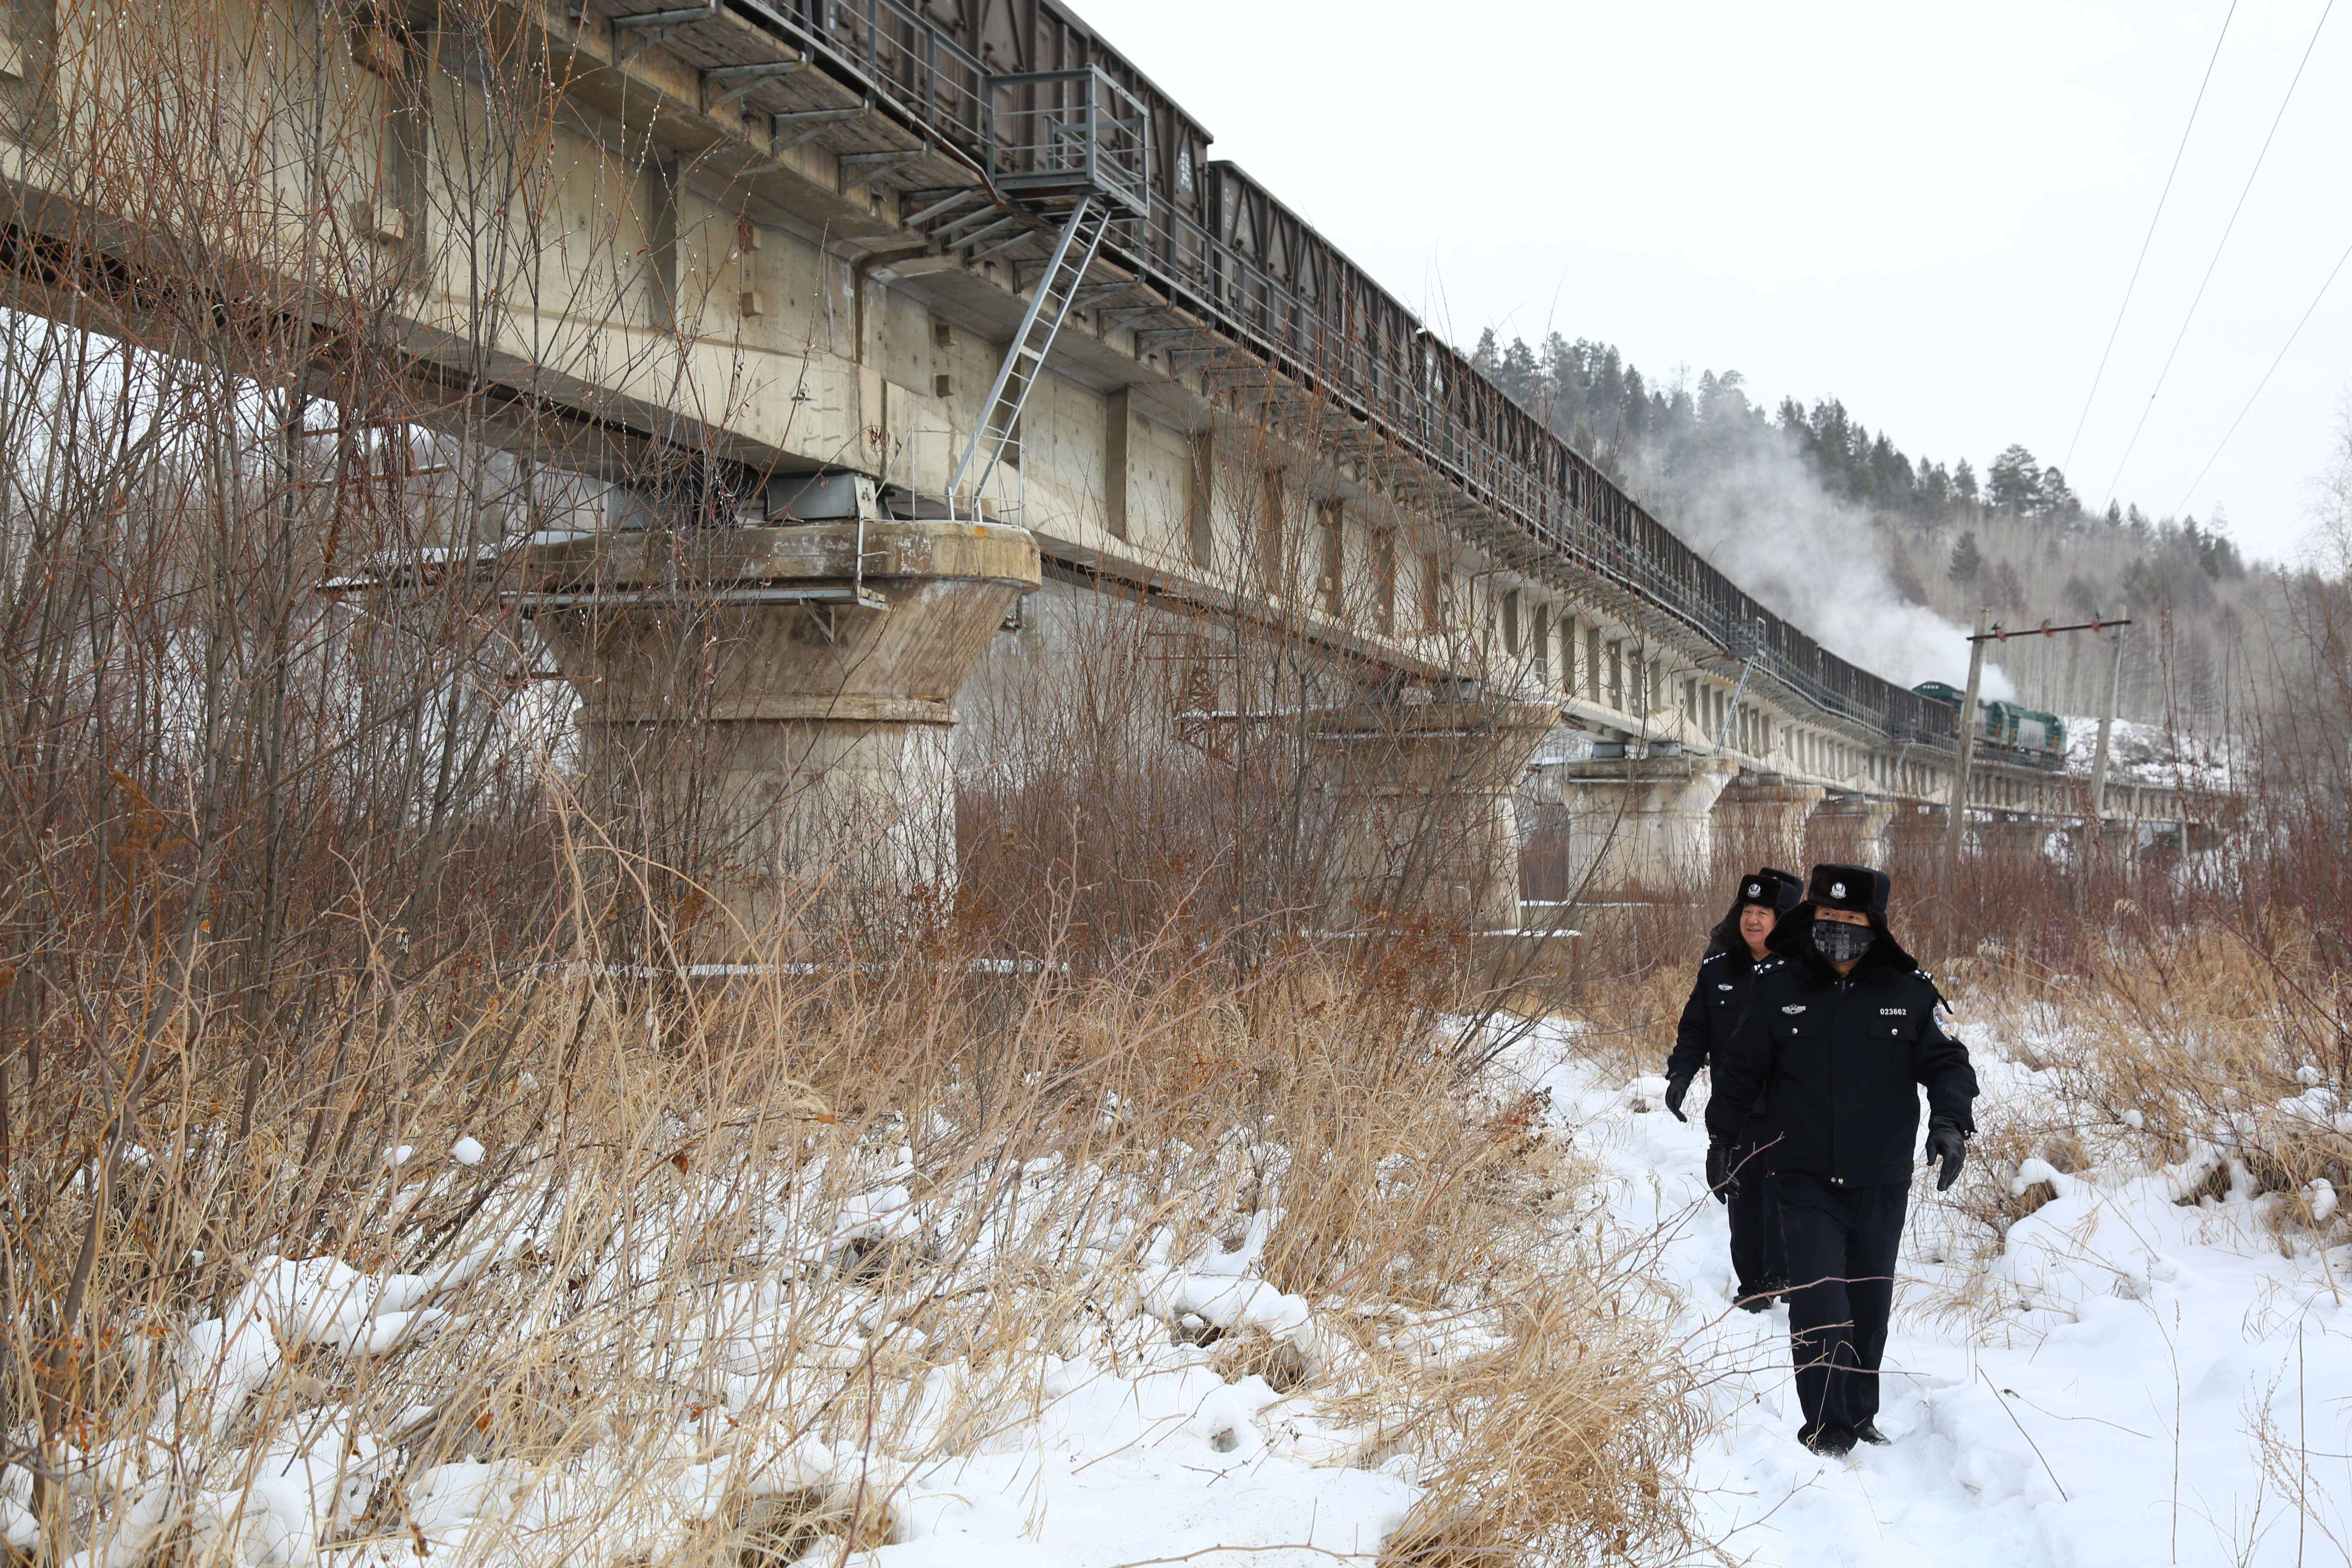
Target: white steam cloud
[(1764, 520)]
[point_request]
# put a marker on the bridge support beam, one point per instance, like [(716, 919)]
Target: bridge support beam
[(1857, 829), (778, 727), (1766, 821), (1426, 809), (1645, 826)]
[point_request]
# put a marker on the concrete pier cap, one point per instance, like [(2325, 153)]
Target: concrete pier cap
[(1766, 817), (1855, 829), (1642, 824), (778, 703)]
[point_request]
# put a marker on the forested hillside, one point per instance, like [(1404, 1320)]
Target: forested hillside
[(1886, 558)]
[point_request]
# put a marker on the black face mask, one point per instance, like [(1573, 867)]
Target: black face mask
[(1839, 942)]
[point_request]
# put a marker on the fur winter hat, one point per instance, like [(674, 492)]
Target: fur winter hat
[(1775, 890), (1857, 889), (1835, 886)]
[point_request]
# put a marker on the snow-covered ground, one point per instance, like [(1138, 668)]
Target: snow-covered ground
[(2130, 1382), (2125, 1379)]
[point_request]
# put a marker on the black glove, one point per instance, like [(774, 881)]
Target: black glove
[(1720, 1177), (1677, 1089), (1945, 1142)]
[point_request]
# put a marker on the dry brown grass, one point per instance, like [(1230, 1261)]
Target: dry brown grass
[(669, 1166), (2198, 1045), (1563, 1444), (2217, 1040)]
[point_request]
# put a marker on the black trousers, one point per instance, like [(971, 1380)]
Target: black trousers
[(1755, 1250), (1840, 1243)]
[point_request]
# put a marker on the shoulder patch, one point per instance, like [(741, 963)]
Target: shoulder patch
[(1711, 957)]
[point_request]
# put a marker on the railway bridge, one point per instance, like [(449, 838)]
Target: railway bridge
[(921, 307)]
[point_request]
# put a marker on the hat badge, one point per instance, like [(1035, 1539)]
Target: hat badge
[(1754, 889), (1837, 889)]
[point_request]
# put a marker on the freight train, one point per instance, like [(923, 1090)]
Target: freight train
[(1216, 246), (2042, 737)]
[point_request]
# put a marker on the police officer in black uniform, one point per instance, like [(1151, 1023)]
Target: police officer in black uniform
[(1718, 1001), (1840, 1036)]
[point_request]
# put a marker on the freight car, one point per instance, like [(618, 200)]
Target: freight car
[(999, 84), (2035, 736)]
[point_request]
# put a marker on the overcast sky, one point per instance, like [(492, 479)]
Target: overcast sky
[(1930, 212)]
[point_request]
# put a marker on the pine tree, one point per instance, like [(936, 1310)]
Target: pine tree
[(2057, 497), (1967, 561), (1935, 489), (1518, 376), (2013, 481), (2008, 590)]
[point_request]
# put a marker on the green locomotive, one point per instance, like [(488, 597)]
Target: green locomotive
[(2005, 724)]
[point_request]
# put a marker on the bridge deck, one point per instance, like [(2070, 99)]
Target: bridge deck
[(906, 169)]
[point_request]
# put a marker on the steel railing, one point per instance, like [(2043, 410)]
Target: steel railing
[(1545, 501), (1069, 134)]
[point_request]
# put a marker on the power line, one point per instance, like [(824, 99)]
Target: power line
[(2182, 506), (2226, 231), (2162, 197)]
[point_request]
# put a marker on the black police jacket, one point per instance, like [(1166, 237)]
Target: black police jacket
[(1718, 1001), (1830, 1071)]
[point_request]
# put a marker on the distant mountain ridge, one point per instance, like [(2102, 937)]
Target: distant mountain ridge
[(1837, 527)]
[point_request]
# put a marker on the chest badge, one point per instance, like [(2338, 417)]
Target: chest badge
[(1722, 986), (1793, 1007)]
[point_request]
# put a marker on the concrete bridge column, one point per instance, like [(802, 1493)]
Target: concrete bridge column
[(781, 720), (1857, 829), (1643, 826), (1766, 821), (2013, 834), (2111, 847), (1425, 812)]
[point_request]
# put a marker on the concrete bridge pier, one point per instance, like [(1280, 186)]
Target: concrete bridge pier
[(2020, 835), (777, 717), (1766, 820), (2117, 844), (1644, 826), (1857, 830), (1424, 808)]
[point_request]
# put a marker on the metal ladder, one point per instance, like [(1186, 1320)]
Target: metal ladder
[(1074, 253)]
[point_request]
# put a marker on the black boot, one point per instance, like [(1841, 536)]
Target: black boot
[(1759, 1303), (1869, 1432), (1830, 1442)]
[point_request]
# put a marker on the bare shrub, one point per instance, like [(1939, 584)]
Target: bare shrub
[(1565, 1443)]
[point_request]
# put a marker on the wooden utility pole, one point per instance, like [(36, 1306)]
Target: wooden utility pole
[(2107, 728), (1958, 817)]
